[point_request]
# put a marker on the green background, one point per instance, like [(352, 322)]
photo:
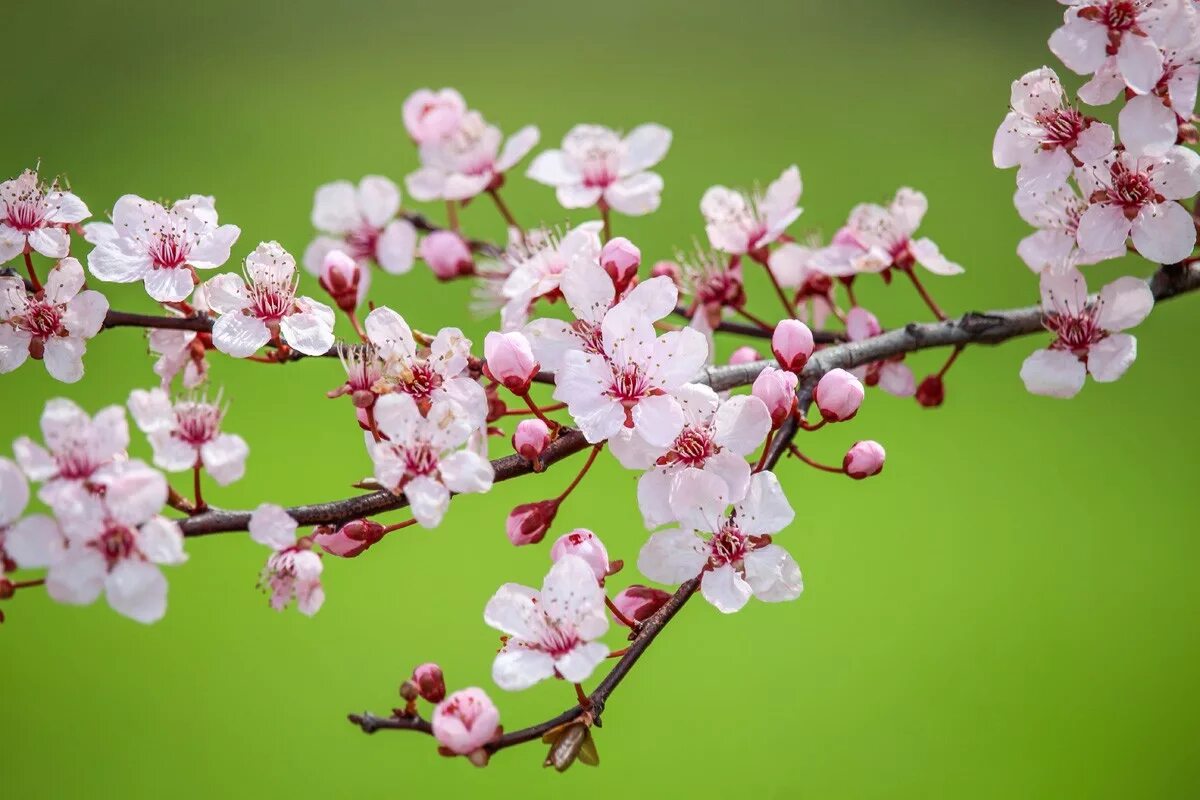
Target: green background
[(1009, 610)]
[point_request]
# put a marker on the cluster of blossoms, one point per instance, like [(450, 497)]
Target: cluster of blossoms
[(628, 356)]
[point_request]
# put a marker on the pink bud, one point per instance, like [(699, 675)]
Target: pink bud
[(528, 522), (510, 361), (838, 395), (620, 259), (864, 459), (430, 116), (792, 344), (447, 255), (669, 269), (932, 392), (340, 275), (351, 539), (430, 683), (465, 721), (639, 603), (744, 355), (531, 438), (585, 544), (777, 389)]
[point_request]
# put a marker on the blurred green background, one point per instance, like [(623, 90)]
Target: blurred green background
[(1009, 610)]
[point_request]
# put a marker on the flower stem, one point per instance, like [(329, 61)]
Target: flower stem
[(764, 326), (616, 612), (399, 525), (198, 503), (603, 208), (518, 412), (28, 584), (537, 412), (950, 361), (358, 329), (762, 461), (618, 653), (33, 278), (916, 282), (585, 702), (452, 215), (504, 211), (783, 298), (586, 466), (815, 464)]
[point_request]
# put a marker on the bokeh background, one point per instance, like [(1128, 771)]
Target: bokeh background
[(1009, 610)]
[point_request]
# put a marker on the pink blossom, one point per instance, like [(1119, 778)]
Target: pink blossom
[(468, 161), (597, 166), (342, 278), (1056, 214), (716, 437), (361, 221), (1093, 30), (777, 391), (620, 259), (587, 545), (667, 269), (731, 552), (162, 247), (466, 721), (431, 684), (52, 325), (1087, 332), (529, 522), (792, 344), (351, 539), (863, 460), (264, 307), (1044, 135), (838, 395), (187, 433), (293, 570), (551, 632), (509, 361), (713, 282), (797, 267), (447, 255), (181, 351), (877, 238), (638, 603), (424, 458), (893, 375), (530, 439), (744, 355), (31, 542), (35, 217), (738, 223), (431, 116), (537, 264), (1135, 197)]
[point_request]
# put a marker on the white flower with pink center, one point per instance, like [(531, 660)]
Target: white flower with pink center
[(293, 570), (893, 376), (162, 247), (1179, 44), (1087, 332), (551, 632), (187, 433), (469, 160), (537, 263), (731, 552), (1137, 197), (1055, 213), (426, 374), (876, 238), (77, 448), (423, 456), (264, 307), (717, 436), (1044, 135), (52, 325), (739, 223), (1127, 30), (361, 222), (35, 217), (597, 166), (630, 381)]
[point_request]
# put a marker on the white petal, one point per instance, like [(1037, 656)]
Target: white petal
[(1163, 232), (64, 281), (137, 590), (213, 251), (85, 314), (14, 492), (50, 242), (310, 332), (1141, 62), (1053, 373), (161, 541), (699, 499), (517, 147), (741, 424), (553, 168), (429, 500), (133, 491), (1110, 357), (645, 146), (733, 470), (226, 293), (672, 556), (390, 334), (378, 199), (77, 577), (678, 358), (578, 664), (513, 610), (1148, 126), (335, 208), (773, 574), (1124, 303), (636, 195), (169, 285), (465, 471), (577, 195), (225, 458), (658, 419), (396, 247), (725, 589), (654, 497), (34, 542), (1095, 142), (109, 262), (14, 348), (64, 358), (1080, 45), (272, 526), (1102, 228), (517, 668), (239, 335), (765, 508)]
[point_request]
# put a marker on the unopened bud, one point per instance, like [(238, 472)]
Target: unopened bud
[(351, 539), (777, 389), (409, 691), (668, 269), (620, 259), (340, 275), (509, 361), (931, 392), (792, 344), (531, 439), (447, 255), (7, 590), (431, 684), (528, 523), (744, 355), (585, 544), (638, 603), (838, 395), (864, 459)]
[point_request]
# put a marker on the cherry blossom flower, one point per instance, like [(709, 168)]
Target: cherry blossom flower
[(586, 545), (162, 247), (738, 223), (877, 238), (1136, 197), (713, 282), (716, 437), (468, 161), (361, 222), (423, 457), (893, 375), (1093, 30), (630, 381), (35, 217), (796, 266), (187, 433), (551, 632), (1056, 214), (732, 553), (465, 721), (182, 352), (430, 116), (596, 166), (52, 325), (440, 371), (293, 570), (263, 307), (1087, 331), (77, 448), (537, 264), (1044, 135)]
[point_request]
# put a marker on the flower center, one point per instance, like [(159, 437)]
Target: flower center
[(271, 301), (467, 709), (27, 212), (115, 544), (1120, 16), (1076, 331), (1060, 127), (590, 336), (41, 319), (1130, 189), (169, 250), (728, 546), (693, 447), (558, 641), (419, 459), (420, 380), (629, 384), (361, 242), (197, 423), (73, 461)]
